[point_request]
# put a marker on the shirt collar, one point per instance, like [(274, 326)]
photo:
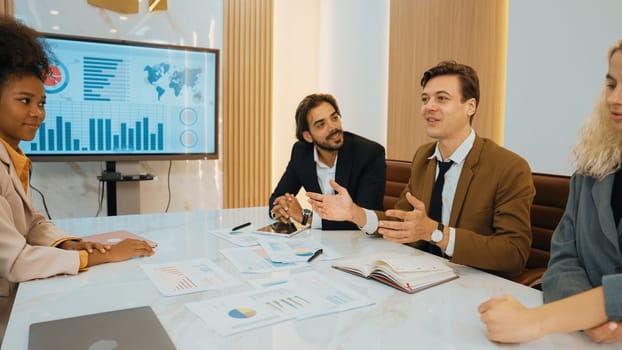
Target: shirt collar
[(460, 153), (316, 159), (20, 162)]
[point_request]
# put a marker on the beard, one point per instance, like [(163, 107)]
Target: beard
[(326, 144)]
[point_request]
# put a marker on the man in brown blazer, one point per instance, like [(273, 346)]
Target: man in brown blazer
[(481, 216)]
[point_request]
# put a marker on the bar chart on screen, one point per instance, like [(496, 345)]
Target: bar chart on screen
[(103, 128), (137, 100)]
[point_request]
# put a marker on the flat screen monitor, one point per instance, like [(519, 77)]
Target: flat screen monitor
[(111, 100)]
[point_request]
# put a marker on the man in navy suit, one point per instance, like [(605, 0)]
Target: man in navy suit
[(325, 152)]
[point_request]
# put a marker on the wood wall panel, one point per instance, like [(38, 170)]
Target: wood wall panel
[(6, 7), (247, 106), (425, 32)]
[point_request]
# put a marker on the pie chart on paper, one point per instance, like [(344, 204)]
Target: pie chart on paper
[(242, 312), (304, 253)]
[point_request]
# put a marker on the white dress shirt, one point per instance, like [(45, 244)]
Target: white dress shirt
[(324, 175), (451, 183)]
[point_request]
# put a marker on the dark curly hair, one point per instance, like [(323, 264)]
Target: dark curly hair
[(21, 51), (307, 104)]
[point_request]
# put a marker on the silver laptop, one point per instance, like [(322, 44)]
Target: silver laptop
[(136, 328)]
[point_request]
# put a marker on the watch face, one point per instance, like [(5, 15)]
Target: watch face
[(437, 236)]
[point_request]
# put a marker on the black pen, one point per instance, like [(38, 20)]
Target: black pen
[(240, 226), (315, 255)]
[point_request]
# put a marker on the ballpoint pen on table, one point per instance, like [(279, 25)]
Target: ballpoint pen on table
[(239, 227), (315, 255)]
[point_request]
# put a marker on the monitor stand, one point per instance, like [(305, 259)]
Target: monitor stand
[(111, 189), (111, 176)]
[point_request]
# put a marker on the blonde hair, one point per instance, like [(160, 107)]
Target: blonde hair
[(599, 150)]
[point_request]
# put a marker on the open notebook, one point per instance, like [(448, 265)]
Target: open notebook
[(408, 273), (136, 328)]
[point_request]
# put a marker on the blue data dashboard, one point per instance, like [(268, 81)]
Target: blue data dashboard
[(117, 100)]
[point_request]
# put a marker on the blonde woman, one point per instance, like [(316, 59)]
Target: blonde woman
[(583, 283)]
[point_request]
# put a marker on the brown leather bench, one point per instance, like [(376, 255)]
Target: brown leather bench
[(547, 209), (398, 173)]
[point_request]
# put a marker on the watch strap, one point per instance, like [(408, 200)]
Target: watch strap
[(305, 216)]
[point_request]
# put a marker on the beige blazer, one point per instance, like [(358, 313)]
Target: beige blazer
[(491, 208), (25, 235)]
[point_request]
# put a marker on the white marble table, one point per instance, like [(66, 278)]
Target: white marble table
[(443, 317)]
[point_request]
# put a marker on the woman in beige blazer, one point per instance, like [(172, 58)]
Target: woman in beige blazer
[(31, 246)]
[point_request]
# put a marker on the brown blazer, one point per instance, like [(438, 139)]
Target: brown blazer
[(491, 206), (26, 236)]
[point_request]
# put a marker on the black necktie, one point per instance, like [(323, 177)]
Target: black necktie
[(436, 202)]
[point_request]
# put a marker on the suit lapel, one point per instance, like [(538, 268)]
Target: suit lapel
[(427, 185), (6, 159), (464, 182), (309, 172), (601, 194), (344, 163)]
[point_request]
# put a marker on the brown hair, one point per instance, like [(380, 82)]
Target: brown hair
[(307, 104), (469, 82)]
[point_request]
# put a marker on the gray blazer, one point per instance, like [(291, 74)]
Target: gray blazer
[(585, 248)]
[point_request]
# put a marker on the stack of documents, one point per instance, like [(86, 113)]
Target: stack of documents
[(303, 296), (274, 254), (242, 237)]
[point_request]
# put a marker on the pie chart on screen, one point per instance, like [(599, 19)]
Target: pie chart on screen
[(242, 312), (58, 78)]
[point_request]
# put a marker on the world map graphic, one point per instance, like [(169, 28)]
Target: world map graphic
[(164, 78)]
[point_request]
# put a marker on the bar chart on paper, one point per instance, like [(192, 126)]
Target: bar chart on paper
[(176, 279), (188, 276)]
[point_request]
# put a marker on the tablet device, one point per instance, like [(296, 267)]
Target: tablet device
[(278, 228)]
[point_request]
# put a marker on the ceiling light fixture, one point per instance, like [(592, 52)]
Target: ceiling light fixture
[(121, 6), (158, 5)]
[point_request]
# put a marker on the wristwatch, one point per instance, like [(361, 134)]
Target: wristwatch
[(306, 213), (438, 235)]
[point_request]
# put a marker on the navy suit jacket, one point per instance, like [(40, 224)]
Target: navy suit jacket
[(361, 168)]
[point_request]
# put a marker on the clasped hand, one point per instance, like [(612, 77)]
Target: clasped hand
[(508, 321), (84, 245), (415, 225), (286, 207), (606, 333), (103, 253)]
